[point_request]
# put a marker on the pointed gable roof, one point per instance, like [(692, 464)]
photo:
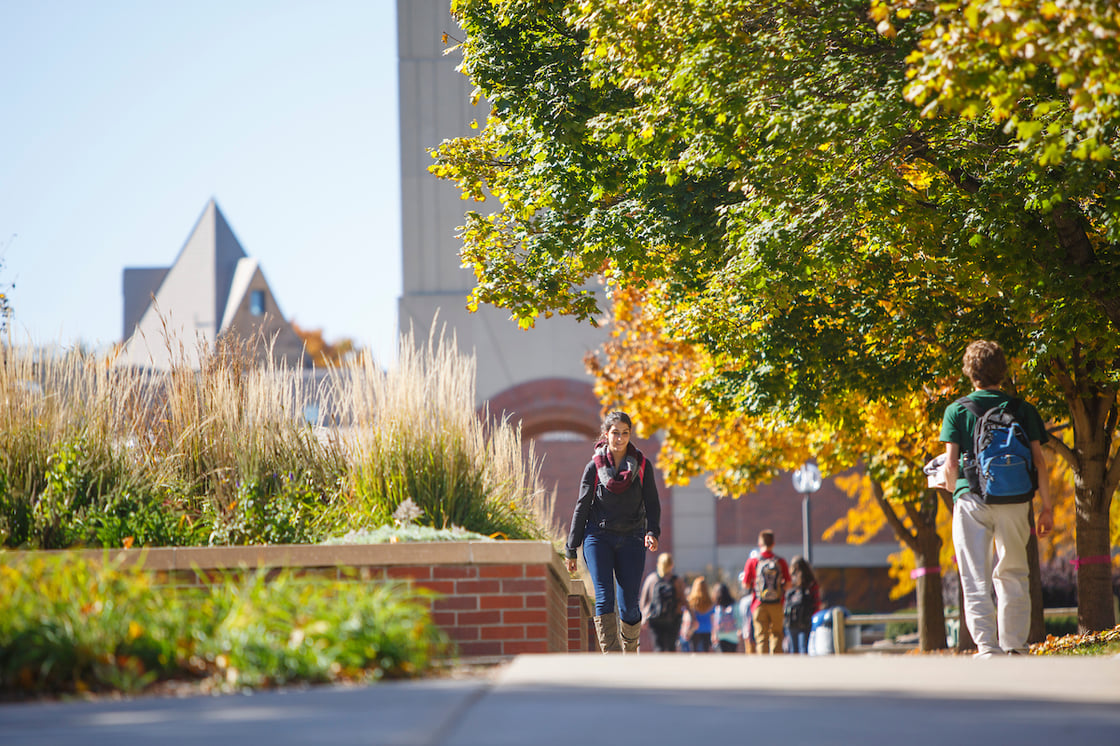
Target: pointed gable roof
[(191, 301)]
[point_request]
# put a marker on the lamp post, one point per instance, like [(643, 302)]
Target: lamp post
[(806, 481)]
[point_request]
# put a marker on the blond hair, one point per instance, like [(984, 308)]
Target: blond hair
[(700, 597)]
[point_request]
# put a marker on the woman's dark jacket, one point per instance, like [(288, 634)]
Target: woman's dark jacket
[(635, 511)]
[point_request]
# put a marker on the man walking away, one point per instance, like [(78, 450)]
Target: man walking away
[(768, 575), (993, 461)]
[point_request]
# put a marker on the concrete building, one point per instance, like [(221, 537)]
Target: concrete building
[(538, 376), (213, 291)]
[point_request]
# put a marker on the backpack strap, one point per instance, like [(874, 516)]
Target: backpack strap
[(971, 405)]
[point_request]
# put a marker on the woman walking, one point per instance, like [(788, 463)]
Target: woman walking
[(725, 620), (700, 602), (802, 600), (616, 519)]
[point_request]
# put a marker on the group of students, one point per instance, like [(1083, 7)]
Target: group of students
[(774, 612), (617, 519)]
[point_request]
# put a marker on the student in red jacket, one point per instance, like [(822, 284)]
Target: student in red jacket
[(768, 575)]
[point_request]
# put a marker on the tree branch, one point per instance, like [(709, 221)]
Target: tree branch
[(892, 518), (1073, 237), (1059, 447)]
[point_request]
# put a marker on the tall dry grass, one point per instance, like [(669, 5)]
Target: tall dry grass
[(100, 454), (413, 433)]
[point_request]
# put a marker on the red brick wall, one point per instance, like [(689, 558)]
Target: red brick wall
[(493, 610)]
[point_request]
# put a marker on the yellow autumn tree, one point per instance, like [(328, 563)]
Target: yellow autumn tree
[(665, 382), (325, 354)]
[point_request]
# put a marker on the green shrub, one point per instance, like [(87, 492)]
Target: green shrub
[(275, 510), (88, 501), (1059, 626), (284, 629), (74, 626), (899, 628)]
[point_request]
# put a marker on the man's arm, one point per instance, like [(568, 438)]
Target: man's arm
[(952, 466), (748, 573), (1044, 524)]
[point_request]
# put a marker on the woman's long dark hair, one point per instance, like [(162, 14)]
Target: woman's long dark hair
[(722, 596), (801, 573), (614, 418)]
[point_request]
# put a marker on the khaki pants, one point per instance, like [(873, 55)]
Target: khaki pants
[(1001, 626), (768, 622)]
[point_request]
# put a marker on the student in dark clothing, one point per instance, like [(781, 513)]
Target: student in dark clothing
[(667, 625), (617, 518), (802, 601)]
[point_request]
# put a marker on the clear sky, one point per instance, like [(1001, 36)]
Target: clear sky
[(120, 119)]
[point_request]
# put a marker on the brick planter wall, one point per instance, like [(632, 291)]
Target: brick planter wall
[(496, 599)]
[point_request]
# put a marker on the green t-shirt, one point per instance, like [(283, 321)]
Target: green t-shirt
[(958, 422)]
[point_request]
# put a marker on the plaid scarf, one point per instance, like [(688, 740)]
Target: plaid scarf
[(607, 473)]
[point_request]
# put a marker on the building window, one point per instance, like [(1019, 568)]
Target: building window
[(256, 303)]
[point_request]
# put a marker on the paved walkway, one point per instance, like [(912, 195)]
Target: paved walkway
[(691, 700)]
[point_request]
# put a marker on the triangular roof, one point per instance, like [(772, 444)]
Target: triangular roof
[(197, 299), (246, 271)]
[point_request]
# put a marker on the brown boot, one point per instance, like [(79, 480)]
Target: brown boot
[(630, 637), (606, 627)]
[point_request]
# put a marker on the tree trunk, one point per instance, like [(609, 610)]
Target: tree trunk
[(1093, 501), (1093, 416), (931, 605), (1095, 611)]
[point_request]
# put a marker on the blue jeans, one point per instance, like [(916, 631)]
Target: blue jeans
[(799, 641), (616, 560)]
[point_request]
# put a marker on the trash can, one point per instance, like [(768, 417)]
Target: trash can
[(829, 633), (820, 634)]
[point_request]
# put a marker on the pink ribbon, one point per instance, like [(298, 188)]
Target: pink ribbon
[(1101, 559), (920, 571)]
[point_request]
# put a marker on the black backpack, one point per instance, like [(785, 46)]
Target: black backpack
[(799, 608), (663, 607), (1000, 467), (768, 580)]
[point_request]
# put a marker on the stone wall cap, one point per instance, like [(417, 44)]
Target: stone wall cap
[(327, 555)]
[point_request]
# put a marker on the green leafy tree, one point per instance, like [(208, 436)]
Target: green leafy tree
[(834, 198)]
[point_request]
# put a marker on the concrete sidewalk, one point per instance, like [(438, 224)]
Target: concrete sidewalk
[(592, 699)]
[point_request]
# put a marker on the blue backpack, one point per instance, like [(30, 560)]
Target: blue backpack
[(1000, 468)]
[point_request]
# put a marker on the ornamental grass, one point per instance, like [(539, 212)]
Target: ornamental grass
[(240, 451)]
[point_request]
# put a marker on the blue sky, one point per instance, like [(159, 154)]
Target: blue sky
[(120, 119)]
